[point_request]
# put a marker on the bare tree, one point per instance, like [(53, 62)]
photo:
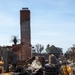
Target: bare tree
[(39, 48)]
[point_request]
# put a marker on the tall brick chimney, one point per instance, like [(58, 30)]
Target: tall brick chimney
[(25, 33)]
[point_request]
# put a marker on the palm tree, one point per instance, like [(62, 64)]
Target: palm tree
[(15, 40)]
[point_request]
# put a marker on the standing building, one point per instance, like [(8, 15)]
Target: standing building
[(25, 33)]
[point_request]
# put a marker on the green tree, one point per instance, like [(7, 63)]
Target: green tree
[(70, 53), (53, 50), (47, 48)]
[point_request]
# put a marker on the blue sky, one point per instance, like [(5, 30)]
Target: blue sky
[(52, 21)]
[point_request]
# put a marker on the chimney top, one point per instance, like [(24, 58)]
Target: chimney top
[(24, 8)]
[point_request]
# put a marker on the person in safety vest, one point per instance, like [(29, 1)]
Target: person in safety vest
[(66, 69)]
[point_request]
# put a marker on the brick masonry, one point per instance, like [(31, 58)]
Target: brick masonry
[(25, 33)]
